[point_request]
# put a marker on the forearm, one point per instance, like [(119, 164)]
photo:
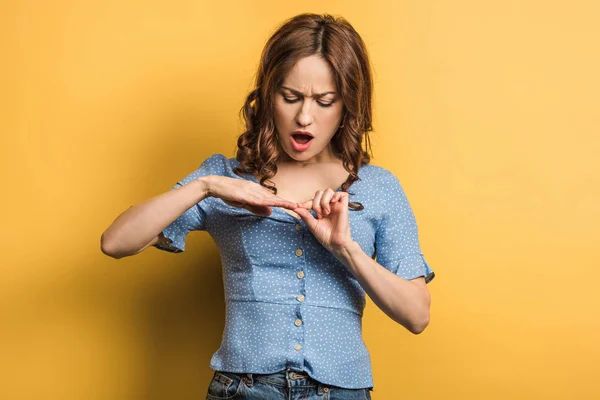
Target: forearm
[(402, 300), (139, 224)]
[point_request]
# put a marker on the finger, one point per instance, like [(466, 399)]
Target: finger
[(317, 203), (337, 197), (306, 204), (344, 199), (285, 203), (273, 200), (306, 216), (291, 205), (326, 199), (281, 202)]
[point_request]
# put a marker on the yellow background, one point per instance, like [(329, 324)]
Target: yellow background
[(487, 112)]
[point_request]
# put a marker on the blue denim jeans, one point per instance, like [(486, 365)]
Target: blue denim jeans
[(283, 385)]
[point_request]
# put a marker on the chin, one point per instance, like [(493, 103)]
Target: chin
[(297, 157)]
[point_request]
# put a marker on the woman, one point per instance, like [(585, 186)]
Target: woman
[(296, 262)]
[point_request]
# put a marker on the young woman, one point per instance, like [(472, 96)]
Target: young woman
[(297, 262)]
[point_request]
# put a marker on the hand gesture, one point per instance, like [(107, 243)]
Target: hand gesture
[(331, 227), (245, 194)]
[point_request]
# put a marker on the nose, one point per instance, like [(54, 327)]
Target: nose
[(304, 116)]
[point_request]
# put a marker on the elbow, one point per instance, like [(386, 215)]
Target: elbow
[(419, 325), (420, 319), (108, 249)]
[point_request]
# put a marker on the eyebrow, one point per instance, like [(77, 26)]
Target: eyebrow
[(297, 93)]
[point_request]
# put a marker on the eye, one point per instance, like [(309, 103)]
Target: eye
[(296, 99), (325, 105)]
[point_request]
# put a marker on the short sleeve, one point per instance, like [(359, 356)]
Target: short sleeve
[(396, 240), (193, 219)]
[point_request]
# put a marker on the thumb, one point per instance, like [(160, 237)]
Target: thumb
[(306, 216)]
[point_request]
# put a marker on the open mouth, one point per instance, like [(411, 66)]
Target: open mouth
[(301, 138)]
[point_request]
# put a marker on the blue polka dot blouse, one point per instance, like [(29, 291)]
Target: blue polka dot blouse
[(289, 302)]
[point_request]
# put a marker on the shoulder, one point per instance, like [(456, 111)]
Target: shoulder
[(384, 188), (215, 164), (220, 164), (379, 176), (216, 161)]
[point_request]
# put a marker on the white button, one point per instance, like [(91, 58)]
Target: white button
[(300, 298), (300, 274), (298, 346), (298, 252), (298, 322)]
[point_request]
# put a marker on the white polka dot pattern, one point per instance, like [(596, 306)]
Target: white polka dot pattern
[(289, 302)]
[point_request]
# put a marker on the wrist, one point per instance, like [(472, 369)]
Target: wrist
[(345, 252), (204, 186)]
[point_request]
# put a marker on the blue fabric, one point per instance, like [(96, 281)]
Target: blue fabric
[(277, 318), (284, 385)]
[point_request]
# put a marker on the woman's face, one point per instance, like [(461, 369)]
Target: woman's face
[(308, 101)]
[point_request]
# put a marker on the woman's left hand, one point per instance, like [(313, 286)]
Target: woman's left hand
[(331, 227)]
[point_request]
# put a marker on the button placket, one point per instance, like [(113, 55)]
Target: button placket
[(298, 336), (300, 274)]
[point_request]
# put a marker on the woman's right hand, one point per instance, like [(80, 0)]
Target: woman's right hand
[(246, 194)]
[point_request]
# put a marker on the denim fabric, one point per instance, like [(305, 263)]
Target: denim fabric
[(289, 303), (287, 384)]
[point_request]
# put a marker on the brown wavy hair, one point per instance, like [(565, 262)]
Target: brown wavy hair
[(335, 41)]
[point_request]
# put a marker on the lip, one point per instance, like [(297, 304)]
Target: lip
[(299, 146), (304, 133)]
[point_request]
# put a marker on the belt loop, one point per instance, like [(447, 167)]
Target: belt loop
[(249, 380)]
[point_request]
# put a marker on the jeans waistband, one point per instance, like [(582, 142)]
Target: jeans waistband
[(288, 378)]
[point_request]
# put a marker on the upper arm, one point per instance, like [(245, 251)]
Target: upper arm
[(154, 241), (420, 281), (161, 243), (173, 236), (397, 239)]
